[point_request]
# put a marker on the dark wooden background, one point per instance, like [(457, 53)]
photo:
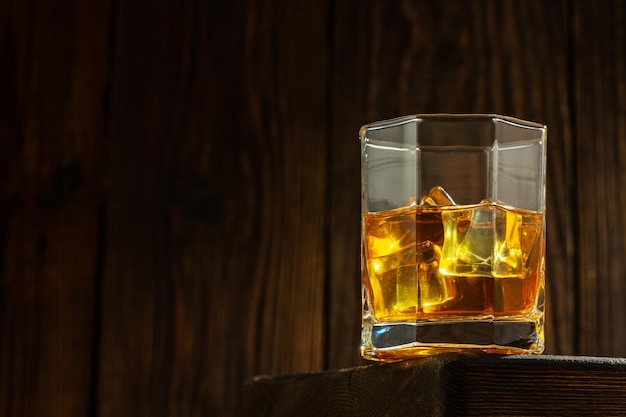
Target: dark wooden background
[(179, 199)]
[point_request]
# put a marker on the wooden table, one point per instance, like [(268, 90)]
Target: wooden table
[(448, 385)]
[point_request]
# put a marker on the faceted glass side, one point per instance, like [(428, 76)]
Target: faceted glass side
[(453, 235)]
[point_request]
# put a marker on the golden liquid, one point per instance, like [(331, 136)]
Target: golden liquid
[(434, 263)]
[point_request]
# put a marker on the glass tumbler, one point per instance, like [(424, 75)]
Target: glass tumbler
[(452, 235)]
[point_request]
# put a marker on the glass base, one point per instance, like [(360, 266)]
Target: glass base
[(395, 341)]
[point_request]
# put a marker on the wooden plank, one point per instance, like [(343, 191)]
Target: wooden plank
[(348, 77), (449, 385), (53, 78), (216, 204), (152, 338), (599, 91), (286, 146)]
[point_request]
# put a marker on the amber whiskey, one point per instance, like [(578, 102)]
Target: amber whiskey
[(450, 277)]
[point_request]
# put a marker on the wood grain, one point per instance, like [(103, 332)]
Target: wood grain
[(177, 260), (53, 79), (600, 122), (449, 385), (180, 182)]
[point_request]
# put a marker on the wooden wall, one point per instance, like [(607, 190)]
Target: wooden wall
[(179, 182)]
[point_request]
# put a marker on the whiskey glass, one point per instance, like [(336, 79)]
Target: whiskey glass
[(452, 235)]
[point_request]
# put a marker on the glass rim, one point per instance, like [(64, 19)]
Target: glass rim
[(400, 120)]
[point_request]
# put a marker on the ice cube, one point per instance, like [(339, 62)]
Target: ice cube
[(406, 290), (508, 259), (477, 246), (436, 196), (468, 241), (455, 225), (388, 234), (393, 279), (432, 288)]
